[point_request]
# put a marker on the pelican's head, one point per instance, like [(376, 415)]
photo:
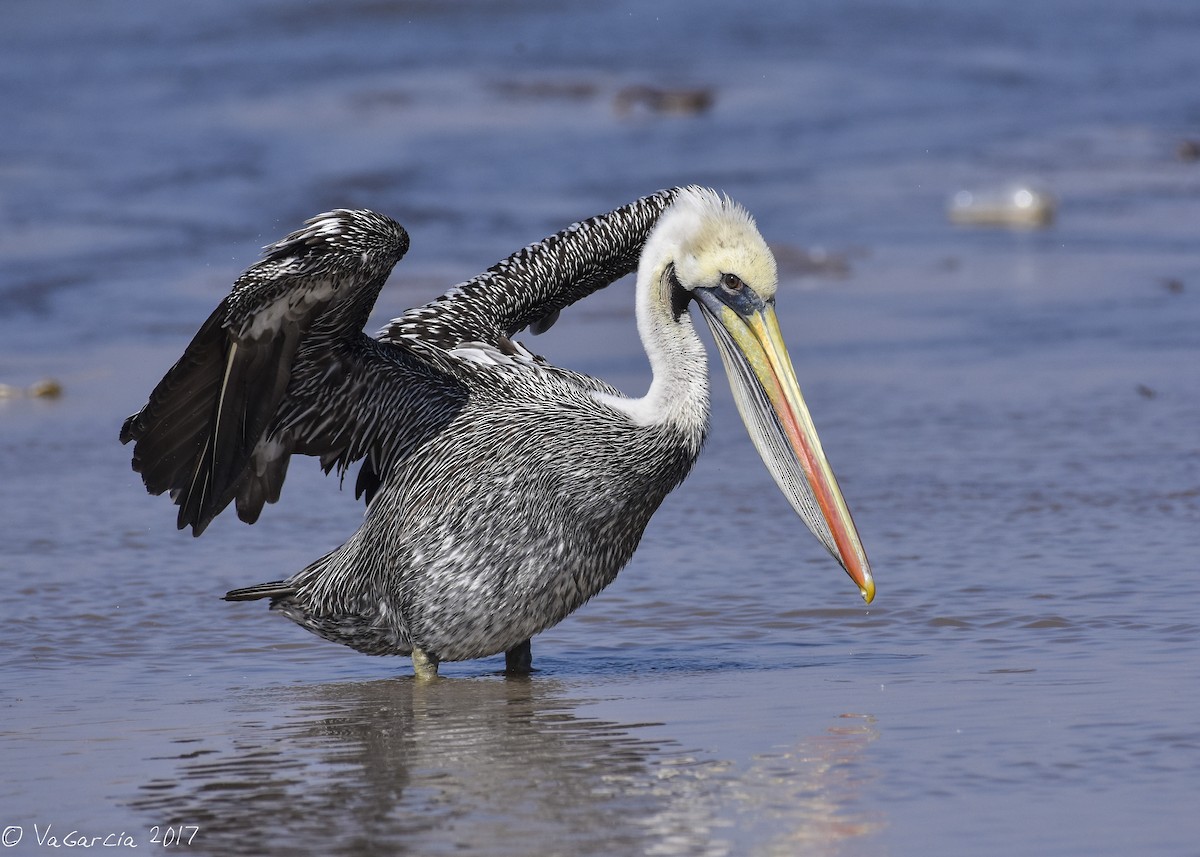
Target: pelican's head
[(715, 255)]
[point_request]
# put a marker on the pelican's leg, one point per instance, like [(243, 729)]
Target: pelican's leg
[(518, 660), (425, 665)]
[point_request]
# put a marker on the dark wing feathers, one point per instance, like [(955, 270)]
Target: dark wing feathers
[(206, 433), (531, 286), (396, 398), (282, 366)]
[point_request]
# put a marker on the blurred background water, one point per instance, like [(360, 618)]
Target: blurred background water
[(1012, 413)]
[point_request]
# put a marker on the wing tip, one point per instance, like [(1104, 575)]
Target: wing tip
[(360, 233)]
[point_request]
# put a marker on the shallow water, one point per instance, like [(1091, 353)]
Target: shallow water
[(1012, 416)]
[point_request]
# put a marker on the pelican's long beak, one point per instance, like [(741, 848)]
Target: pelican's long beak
[(773, 409)]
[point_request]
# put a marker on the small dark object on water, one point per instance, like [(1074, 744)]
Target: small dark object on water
[(678, 101), (573, 90), (1188, 150), (1146, 392), (815, 262), (1174, 285)]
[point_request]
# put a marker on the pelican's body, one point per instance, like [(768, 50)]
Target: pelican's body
[(502, 492)]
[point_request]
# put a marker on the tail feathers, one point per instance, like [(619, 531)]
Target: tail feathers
[(275, 589)]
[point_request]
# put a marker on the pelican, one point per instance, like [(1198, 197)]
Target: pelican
[(502, 492)]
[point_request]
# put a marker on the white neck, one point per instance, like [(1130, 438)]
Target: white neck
[(699, 237), (678, 394)]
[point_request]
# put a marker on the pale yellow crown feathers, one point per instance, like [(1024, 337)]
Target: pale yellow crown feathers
[(706, 234)]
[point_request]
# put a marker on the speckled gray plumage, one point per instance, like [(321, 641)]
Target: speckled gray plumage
[(502, 494)]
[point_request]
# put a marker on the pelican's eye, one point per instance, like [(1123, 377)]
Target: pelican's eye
[(732, 283)]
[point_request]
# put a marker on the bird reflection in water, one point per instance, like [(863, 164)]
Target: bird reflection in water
[(494, 767)]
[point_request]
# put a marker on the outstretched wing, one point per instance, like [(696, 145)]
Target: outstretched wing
[(530, 287), (282, 366)]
